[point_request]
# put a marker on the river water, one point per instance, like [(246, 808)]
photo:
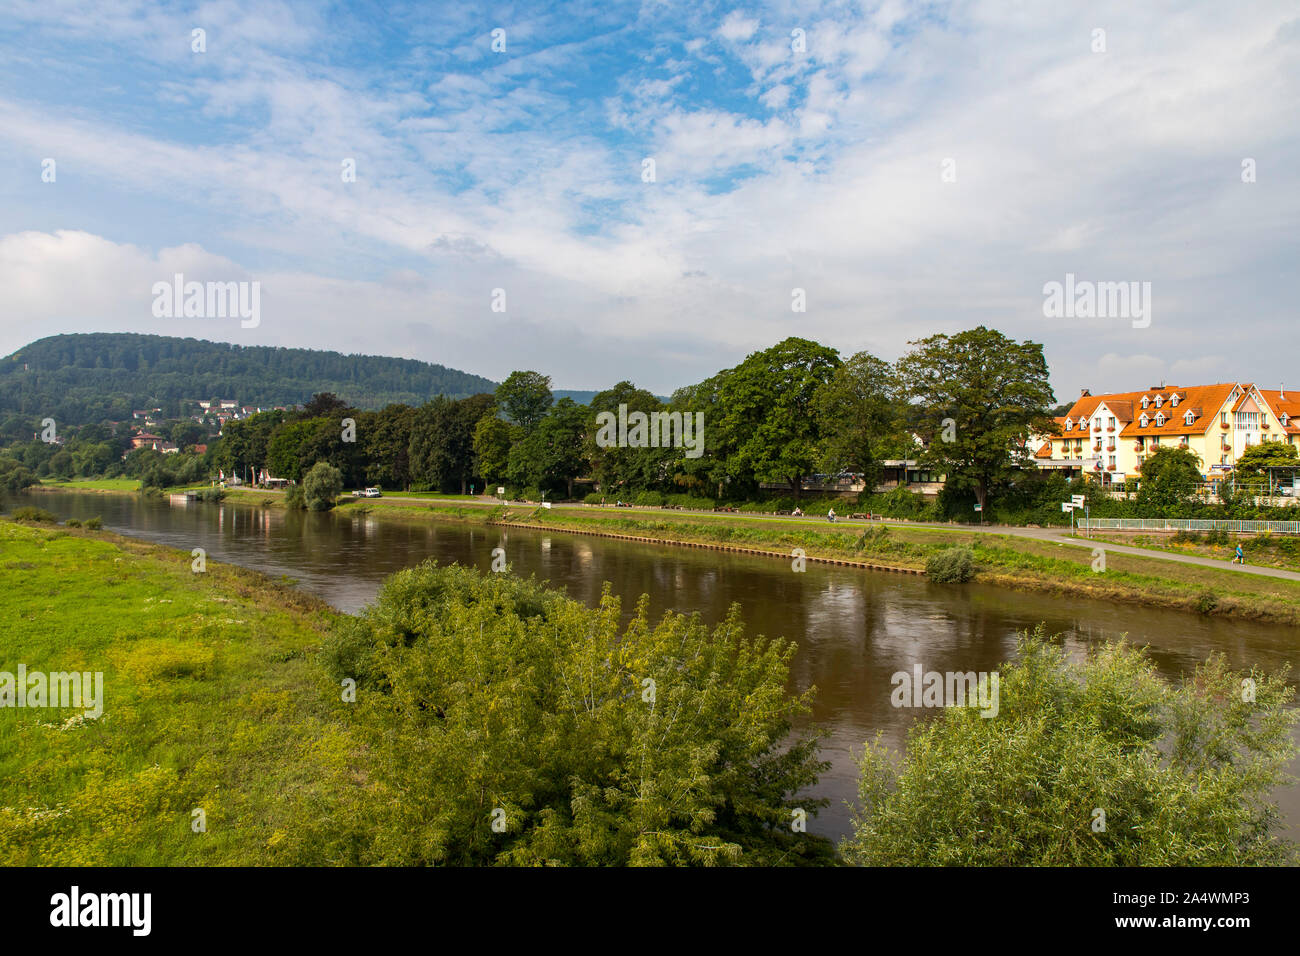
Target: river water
[(854, 628)]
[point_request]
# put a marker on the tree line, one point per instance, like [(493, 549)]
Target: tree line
[(963, 404)]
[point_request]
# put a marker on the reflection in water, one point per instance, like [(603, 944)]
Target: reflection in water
[(854, 628)]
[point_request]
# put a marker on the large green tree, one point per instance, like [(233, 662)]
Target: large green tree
[(442, 442), (551, 456), (386, 439), (524, 397), (861, 417), (768, 414), (976, 397), (625, 469), (1252, 465), (1170, 477), (492, 447)]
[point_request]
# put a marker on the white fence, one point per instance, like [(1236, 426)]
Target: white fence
[(1187, 524)]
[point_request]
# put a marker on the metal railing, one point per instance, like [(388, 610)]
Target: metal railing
[(1188, 524)]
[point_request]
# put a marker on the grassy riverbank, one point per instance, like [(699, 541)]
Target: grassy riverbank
[(1007, 560), (1000, 559), (100, 485), (213, 699), (1261, 550)]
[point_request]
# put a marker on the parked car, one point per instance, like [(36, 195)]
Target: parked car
[(372, 493)]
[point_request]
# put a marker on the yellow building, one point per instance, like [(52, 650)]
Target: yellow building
[(1109, 436)]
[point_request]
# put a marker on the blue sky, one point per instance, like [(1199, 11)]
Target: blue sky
[(775, 168)]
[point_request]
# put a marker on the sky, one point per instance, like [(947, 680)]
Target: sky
[(604, 191)]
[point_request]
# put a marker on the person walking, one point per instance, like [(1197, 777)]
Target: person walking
[(1240, 557)]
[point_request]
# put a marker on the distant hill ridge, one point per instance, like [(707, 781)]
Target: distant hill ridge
[(89, 377)]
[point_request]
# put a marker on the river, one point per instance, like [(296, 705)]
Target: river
[(854, 628)]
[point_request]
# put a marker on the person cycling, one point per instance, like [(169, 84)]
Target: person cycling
[(830, 515), (798, 512)]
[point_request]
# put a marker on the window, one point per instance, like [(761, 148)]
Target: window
[(1247, 419), (1112, 461), (1189, 418), (1286, 420), (1097, 423), (1225, 418), (1160, 418), (1112, 422), (1145, 401), (1144, 420), (1159, 400), (1069, 423), (1155, 441), (1173, 400)]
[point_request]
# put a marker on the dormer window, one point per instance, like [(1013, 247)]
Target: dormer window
[(1174, 401), (1159, 400), (1189, 418), (1286, 419), (1145, 401), (1160, 416), (1144, 420), (1069, 423)]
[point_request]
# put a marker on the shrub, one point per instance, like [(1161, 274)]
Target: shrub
[(321, 486), (951, 566), (293, 498), (582, 771), (1206, 602), (1186, 773), (95, 523), (72, 523), (33, 514)]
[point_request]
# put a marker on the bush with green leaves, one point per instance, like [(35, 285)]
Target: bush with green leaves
[(487, 699), (28, 513), (14, 476), (951, 566), (321, 486), (1092, 763), (94, 524)]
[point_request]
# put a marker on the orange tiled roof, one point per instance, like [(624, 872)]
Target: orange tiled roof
[(1289, 406), (1205, 400)]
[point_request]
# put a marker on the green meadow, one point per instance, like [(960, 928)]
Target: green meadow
[(214, 700)]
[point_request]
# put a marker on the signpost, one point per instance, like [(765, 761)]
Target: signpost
[(1075, 502)]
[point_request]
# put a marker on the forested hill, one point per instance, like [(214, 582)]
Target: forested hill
[(87, 378)]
